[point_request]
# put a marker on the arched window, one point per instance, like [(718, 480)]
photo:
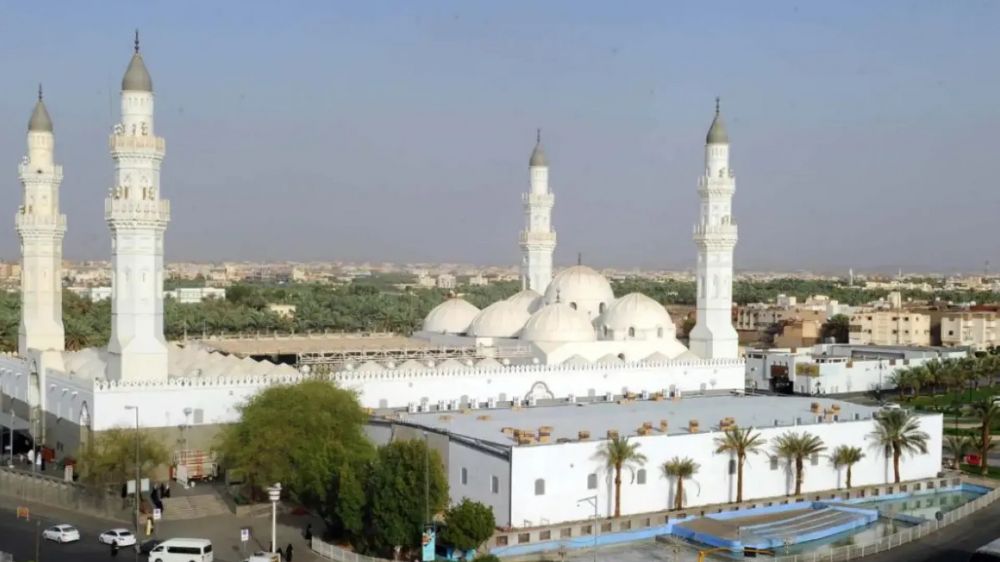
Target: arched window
[(465, 476), (631, 331), (540, 487), (659, 332), (572, 305), (592, 481), (600, 308), (640, 476)]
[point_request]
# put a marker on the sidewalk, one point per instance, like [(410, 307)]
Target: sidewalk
[(222, 530)]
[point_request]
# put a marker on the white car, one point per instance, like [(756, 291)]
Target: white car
[(123, 537), (61, 533)]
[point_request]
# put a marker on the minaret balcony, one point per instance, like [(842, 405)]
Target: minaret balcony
[(134, 143), (145, 210), (715, 232), (538, 199), (538, 238), (25, 221)]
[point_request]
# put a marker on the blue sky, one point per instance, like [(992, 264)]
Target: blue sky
[(862, 131)]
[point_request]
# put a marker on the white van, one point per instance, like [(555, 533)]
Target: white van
[(182, 550), (989, 552)]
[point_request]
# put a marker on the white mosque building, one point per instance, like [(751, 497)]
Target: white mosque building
[(562, 338)]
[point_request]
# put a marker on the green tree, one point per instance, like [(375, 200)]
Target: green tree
[(740, 442), (617, 454), (838, 327), (796, 447), (679, 469), (297, 435), (399, 504), (847, 456), (468, 524), (959, 446), (346, 503), (988, 413), (898, 432), (109, 459)]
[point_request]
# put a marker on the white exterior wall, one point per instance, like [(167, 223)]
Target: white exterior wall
[(137, 218), (890, 327), (398, 389), (538, 240), (713, 336), (977, 330), (565, 467), (40, 227)]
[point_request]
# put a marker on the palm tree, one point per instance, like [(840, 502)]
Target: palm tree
[(958, 446), (680, 469), (741, 442), (618, 453), (898, 432), (988, 413), (846, 455), (796, 447)]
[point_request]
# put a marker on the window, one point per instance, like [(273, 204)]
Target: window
[(465, 476), (540, 487), (814, 459), (591, 481), (774, 463), (600, 308), (631, 332), (640, 476), (572, 305), (732, 466), (494, 484), (659, 332)]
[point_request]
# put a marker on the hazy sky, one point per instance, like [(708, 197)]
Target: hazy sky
[(864, 133)]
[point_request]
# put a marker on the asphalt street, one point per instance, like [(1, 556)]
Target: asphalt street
[(18, 537)]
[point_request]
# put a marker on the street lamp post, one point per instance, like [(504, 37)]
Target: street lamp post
[(274, 494), (592, 500), (138, 478)]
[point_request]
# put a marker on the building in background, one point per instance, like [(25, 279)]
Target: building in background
[(896, 326), (973, 329)]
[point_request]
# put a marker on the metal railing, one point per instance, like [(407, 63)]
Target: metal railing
[(337, 554), (854, 551)]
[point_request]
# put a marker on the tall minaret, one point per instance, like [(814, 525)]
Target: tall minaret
[(713, 336), (40, 226), (137, 218), (538, 240)]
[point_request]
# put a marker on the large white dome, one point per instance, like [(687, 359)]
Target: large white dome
[(558, 323), (528, 300), (502, 319), (636, 316), (581, 288), (453, 316)]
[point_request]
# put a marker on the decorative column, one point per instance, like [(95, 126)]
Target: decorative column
[(538, 240), (713, 336)]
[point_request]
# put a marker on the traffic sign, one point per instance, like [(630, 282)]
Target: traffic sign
[(245, 534)]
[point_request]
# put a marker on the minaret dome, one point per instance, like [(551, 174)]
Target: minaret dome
[(136, 77), (717, 132), (40, 121)]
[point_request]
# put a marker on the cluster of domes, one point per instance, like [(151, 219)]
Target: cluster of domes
[(578, 306)]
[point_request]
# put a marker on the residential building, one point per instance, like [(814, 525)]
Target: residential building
[(890, 327), (977, 330)]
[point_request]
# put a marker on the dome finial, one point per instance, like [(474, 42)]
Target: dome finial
[(39, 91), (716, 105), (538, 135), (137, 40)]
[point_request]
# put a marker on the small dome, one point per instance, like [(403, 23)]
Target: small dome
[(538, 156), (639, 314), (717, 132), (581, 288), (453, 316), (558, 323), (40, 121), (136, 77), (502, 319), (528, 300)]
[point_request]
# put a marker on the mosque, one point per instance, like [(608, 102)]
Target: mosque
[(563, 338)]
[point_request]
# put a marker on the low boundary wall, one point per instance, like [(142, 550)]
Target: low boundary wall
[(54, 492)]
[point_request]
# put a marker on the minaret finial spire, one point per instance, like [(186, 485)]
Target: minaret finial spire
[(39, 91), (137, 40), (716, 105), (538, 135)]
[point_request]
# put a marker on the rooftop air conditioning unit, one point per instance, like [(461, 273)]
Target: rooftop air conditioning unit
[(412, 408), (455, 405), (571, 399), (491, 402), (608, 397), (473, 403), (644, 395), (532, 401), (442, 405)]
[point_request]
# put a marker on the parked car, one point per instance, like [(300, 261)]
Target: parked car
[(147, 546), (61, 533), (123, 537)]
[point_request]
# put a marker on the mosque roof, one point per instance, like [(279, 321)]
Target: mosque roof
[(558, 322), (453, 316), (529, 300), (579, 284), (502, 319), (636, 310)]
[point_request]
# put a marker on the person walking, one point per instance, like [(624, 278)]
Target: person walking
[(309, 532), (114, 548), (288, 553)]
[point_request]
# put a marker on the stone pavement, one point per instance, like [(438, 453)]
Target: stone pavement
[(222, 530)]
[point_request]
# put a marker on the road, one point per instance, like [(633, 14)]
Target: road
[(17, 537)]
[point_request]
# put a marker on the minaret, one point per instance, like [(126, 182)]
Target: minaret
[(713, 336), (40, 226), (137, 217), (538, 240)]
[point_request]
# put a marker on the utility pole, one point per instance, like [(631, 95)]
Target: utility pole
[(138, 480)]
